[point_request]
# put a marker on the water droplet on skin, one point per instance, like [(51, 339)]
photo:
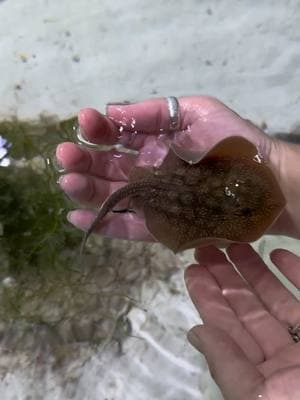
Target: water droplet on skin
[(188, 129), (117, 155), (161, 136), (121, 110), (147, 159), (133, 122), (133, 135), (120, 134)]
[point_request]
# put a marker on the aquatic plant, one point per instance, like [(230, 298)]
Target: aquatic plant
[(46, 301), (34, 231)]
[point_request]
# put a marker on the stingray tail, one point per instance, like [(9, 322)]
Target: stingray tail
[(108, 205)]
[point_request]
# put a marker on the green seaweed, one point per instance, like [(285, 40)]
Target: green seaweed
[(41, 283), (35, 233)]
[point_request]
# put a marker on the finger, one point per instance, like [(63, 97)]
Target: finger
[(204, 122), (150, 116), (289, 264), (97, 128), (278, 300), (246, 305), (215, 310), (236, 376), (88, 190), (111, 165), (121, 226)]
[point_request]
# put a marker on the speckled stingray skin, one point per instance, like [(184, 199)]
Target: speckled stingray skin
[(228, 195)]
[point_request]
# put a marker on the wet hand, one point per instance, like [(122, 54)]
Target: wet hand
[(93, 175), (245, 337)]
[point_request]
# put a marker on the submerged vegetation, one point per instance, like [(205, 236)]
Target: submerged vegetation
[(34, 231), (46, 300), (43, 294)]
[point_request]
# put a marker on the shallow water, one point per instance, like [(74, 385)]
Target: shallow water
[(60, 57)]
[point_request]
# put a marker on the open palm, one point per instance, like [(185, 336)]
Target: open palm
[(92, 175), (246, 317)]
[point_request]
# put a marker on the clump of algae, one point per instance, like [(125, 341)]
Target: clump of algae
[(32, 209), (41, 287), (48, 303)]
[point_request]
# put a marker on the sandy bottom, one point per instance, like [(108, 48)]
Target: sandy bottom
[(156, 361)]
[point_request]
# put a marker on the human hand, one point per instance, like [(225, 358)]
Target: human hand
[(91, 176), (245, 338)]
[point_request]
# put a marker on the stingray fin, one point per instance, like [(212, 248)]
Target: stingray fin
[(230, 147), (163, 229), (171, 231), (233, 147)]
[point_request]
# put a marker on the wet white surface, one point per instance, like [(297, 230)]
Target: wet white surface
[(60, 56)]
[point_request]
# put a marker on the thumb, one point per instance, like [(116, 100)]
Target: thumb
[(235, 375)]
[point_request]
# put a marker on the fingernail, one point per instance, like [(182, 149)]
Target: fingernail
[(56, 159), (69, 216), (60, 180), (79, 129), (74, 218), (194, 340), (118, 103), (83, 120)]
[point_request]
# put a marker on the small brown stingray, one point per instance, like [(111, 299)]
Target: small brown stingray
[(228, 195)]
